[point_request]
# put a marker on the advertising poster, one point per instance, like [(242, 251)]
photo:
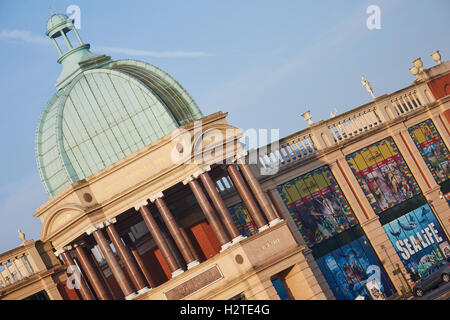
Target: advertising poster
[(383, 175), (374, 290), (317, 205), (432, 149), (445, 249), (243, 220), (416, 236), (349, 268)]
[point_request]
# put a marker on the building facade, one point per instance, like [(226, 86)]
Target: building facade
[(150, 199)]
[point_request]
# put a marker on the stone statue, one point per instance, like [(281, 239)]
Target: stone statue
[(368, 87), (21, 235)]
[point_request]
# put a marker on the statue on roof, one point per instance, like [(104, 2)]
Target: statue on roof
[(366, 84)]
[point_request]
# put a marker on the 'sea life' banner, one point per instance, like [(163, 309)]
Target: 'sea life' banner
[(415, 236)]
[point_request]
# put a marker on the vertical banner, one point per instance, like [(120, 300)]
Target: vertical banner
[(317, 205), (432, 149), (383, 175), (243, 220), (416, 237), (349, 268)]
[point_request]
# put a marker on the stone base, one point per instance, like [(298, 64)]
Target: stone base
[(226, 246), (131, 296), (238, 239), (275, 222), (177, 273), (265, 227), (144, 290), (192, 264)]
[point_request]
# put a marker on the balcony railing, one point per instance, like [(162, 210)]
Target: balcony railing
[(331, 132), (15, 266)]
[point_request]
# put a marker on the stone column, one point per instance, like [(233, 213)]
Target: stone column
[(386, 252), (186, 238), (127, 259), (159, 239), (101, 292), (258, 192), (368, 220), (431, 190), (10, 275), (209, 213), (99, 270), (3, 280), (139, 261), (424, 180), (221, 208), (113, 264), (349, 191), (246, 196), (13, 263), (174, 230), (341, 168), (86, 293), (24, 267), (284, 212)]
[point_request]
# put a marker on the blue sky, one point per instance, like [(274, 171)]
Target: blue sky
[(264, 62)]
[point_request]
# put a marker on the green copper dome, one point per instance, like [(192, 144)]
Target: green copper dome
[(108, 110)]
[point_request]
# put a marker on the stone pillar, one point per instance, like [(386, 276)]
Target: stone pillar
[(86, 293), (183, 233), (113, 264), (346, 174), (431, 190), (361, 211), (258, 193), (159, 239), (209, 213), (246, 196), (99, 270), (285, 214), (13, 263), (386, 253), (221, 208), (24, 267), (10, 275), (139, 261), (368, 220), (101, 292), (424, 181), (174, 230), (3, 280), (126, 259)]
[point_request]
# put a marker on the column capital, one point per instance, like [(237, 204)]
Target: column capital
[(155, 196), (201, 171), (110, 221), (62, 250), (188, 179), (240, 154), (58, 252), (196, 174), (95, 227), (140, 205)]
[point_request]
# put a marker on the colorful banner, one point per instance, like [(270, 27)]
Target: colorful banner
[(349, 268), (383, 175), (432, 149), (243, 220), (317, 205), (416, 236)]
